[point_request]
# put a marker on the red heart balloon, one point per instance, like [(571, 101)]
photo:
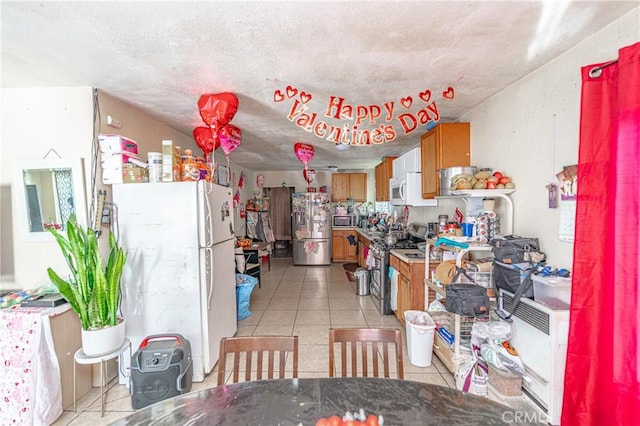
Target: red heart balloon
[(309, 175), (230, 137), (304, 152), (218, 107), (206, 139)]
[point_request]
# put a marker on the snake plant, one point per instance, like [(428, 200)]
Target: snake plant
[(92, 290)]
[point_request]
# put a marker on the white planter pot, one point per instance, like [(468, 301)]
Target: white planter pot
[(103, 341)]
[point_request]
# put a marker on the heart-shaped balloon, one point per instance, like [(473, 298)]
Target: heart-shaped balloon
[(218, 108), (309, 175), (304, 152), (206, 140), (230, 137)]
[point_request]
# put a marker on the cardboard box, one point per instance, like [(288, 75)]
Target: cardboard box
[(116, 166), (114, 160), (116, 144), (134, 174)]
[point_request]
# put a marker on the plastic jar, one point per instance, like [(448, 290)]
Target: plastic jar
[(190, 169)]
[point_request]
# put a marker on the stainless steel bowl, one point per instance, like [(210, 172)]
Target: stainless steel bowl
[(449, 172)]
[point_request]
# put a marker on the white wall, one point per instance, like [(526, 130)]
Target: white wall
[(530, 130), (34, 121)]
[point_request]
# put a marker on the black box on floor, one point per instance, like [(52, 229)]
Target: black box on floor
[(161, 368)]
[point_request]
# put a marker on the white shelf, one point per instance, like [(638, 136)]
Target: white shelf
[(487, 193), (483, 192)]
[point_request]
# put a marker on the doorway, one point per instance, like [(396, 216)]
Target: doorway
[(280, 212)]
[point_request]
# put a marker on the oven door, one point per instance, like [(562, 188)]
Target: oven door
[(376, 279), (379, 283)]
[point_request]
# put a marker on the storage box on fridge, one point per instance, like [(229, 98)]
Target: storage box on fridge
[(116, 144)]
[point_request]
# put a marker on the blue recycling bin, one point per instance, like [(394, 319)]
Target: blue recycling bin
[(244, 286)]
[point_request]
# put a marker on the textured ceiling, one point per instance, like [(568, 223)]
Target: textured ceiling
[(161, 56)]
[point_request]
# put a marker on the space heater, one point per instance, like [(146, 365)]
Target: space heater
[(161, 368), (540, 336)]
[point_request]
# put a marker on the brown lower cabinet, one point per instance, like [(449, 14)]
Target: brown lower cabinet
[(363, 243), (410, 286), (341, 248)]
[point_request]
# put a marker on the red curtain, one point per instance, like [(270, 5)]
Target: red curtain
[(602, 376)]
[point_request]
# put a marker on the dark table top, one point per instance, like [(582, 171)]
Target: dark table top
[(303, 401)]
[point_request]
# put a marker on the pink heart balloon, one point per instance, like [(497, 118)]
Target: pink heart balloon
[(309, 175), (304, 152), (229, 137)]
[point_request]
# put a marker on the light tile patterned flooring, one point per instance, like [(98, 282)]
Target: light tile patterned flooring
[(292, 300)]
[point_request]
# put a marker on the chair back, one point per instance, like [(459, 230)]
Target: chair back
[(365, 352), (259, 353)]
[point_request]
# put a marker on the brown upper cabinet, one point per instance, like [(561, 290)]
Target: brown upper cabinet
[(446, 145), (384, 172), (348, 185)]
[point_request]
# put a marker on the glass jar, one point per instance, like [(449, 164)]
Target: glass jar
[(443, 220)]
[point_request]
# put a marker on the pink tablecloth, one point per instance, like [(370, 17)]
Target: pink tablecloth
[(30, 391)]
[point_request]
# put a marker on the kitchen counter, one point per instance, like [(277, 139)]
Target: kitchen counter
[(409, 255), (369, 234)]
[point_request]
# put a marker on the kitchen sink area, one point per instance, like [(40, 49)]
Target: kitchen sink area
[(409, 255)]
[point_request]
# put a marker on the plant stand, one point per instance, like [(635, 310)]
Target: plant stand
[(81, 358)]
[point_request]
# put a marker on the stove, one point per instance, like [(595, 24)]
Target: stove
[(380, 281), (409, 243)]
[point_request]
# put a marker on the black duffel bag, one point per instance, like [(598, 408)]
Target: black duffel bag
[(513, 263), (514, 249), (469, 300), (514, 277)]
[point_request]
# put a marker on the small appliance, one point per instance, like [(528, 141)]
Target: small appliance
[(344, 220), (161, 368)]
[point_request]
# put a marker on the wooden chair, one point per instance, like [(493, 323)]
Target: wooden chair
[(373, 346), (261, 345)]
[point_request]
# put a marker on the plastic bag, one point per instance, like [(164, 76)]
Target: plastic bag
[(244, 287), (472, 377)]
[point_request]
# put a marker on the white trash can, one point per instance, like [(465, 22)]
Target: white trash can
[(420, 331)]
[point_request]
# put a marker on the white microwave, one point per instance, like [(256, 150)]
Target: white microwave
[(407, 191), (344, 221)]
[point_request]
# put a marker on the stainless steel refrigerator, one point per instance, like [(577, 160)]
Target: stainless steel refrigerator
[(180, 272), (311, 226)]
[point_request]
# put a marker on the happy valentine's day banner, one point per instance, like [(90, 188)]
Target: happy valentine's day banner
[(365, 124)]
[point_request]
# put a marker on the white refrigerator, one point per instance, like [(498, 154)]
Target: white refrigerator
[(180, 272)]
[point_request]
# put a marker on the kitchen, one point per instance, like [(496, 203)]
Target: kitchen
[(511, 132)]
